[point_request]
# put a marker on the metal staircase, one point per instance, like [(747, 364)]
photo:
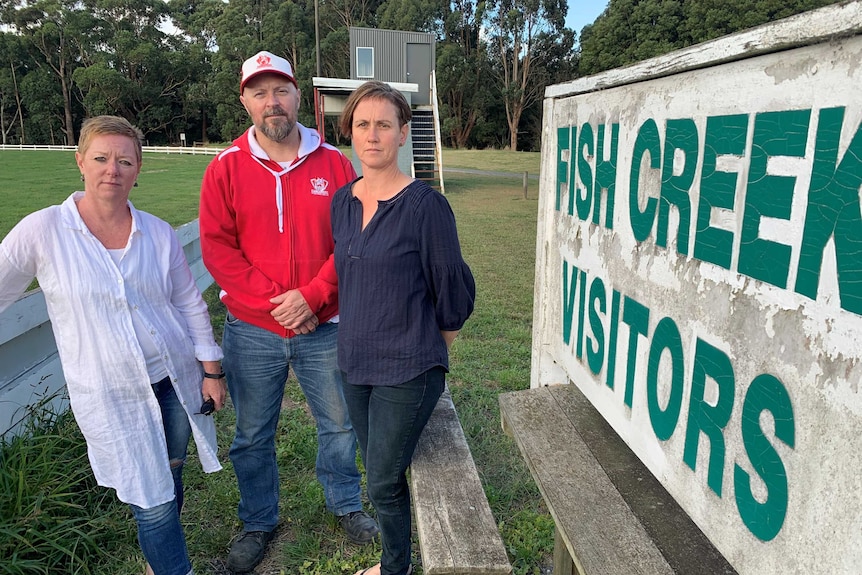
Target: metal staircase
[(427, 148), (424, 144)]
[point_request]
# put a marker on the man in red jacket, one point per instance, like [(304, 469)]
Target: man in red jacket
[(266, 239)]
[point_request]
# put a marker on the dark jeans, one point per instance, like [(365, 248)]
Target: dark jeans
[(388, 421), (159, 531)]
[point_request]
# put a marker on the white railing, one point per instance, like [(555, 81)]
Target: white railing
[(438, 145), (31, 373), (155, 149)]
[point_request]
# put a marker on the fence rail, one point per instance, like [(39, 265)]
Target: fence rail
[(194, 150), (31, 372)]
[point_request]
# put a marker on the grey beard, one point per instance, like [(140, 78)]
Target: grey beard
[(277, 131)]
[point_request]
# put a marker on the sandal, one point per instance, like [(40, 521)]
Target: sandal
[(364, 571)]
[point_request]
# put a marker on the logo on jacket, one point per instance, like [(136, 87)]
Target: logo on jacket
[(318, 187)]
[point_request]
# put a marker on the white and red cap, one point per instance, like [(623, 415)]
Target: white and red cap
[(265, 62)]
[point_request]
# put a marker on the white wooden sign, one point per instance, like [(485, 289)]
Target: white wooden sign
[(699, 278)]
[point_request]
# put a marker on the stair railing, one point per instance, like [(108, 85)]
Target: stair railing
[(438, 145)]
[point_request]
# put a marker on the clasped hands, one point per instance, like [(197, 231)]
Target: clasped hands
[(292, 312)]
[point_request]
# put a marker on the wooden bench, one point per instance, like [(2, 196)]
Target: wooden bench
[(457, 532), (612, 516)]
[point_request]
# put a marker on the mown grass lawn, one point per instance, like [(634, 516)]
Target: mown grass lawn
[(497, 228)]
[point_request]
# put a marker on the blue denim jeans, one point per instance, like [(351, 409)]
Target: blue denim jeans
[(256, 362), (160, 534), (388, 421)]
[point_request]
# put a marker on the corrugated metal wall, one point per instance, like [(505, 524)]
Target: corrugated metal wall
[(390, 54)]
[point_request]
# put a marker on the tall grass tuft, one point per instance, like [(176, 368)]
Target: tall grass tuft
[(53, 516)]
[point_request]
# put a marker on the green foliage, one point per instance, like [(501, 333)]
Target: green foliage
[(53, 517), (173, 67), (418, 15), (633, 30)]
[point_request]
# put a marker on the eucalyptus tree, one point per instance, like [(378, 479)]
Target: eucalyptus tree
[(560, 64), (513, 27), (336, 14), (195, 20), (137, 71), (42, 101), (413, 15), (464, 77), (12, 70), (57, 34)]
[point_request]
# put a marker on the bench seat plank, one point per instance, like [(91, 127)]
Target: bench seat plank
[(612, 514), (457, 531), (601, 533)]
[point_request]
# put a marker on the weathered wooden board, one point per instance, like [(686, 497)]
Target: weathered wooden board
[(457, 531), (602, 534)]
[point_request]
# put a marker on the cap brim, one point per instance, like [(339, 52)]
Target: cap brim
[(259, 72)]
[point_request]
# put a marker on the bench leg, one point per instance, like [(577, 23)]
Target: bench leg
[(563, 564)]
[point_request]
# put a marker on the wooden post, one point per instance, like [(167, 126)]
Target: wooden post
[(526, 174)]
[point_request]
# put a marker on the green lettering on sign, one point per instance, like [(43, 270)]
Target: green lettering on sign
[(612, 338), (582, 303), (775, 134), (680, 135), (764, 520), (606, 175), (586, 147), (636, 316), (834, 212), (562, 165), (706, 418), (598, 301), (725, 135), (568, 300), (665, 337), (647, 142)]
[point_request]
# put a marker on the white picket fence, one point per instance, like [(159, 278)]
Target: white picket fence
[(31, 373)]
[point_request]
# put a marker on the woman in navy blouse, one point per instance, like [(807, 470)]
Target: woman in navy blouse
[(404, 293)]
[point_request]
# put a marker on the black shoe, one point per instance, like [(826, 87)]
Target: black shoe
[(359, 527), (248, 550)]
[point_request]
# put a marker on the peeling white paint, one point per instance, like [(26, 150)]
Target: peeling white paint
[(812, 347)]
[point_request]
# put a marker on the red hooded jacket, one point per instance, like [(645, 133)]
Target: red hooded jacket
[(265, 229)]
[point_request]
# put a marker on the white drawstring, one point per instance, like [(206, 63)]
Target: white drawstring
[(279, 199)]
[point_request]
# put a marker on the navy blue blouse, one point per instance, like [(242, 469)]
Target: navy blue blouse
[(400, 281)]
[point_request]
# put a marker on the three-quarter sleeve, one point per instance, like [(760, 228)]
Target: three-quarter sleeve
[(450, 280)]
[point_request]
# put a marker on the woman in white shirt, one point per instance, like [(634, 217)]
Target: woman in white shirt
[(132, 331)]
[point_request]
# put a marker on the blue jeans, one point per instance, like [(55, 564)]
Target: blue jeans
[(388, 421), (256, 362), (159, 531)]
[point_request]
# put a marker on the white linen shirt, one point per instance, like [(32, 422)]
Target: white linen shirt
[(90, 302)]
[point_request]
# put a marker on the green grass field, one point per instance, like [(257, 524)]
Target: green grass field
[(91, 533)]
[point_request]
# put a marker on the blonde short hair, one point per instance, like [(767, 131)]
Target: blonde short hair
[(109, 126)]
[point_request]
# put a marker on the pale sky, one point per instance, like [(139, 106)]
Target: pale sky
[(583, 12)]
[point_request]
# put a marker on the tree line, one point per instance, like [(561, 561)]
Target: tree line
[(172, 66)]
